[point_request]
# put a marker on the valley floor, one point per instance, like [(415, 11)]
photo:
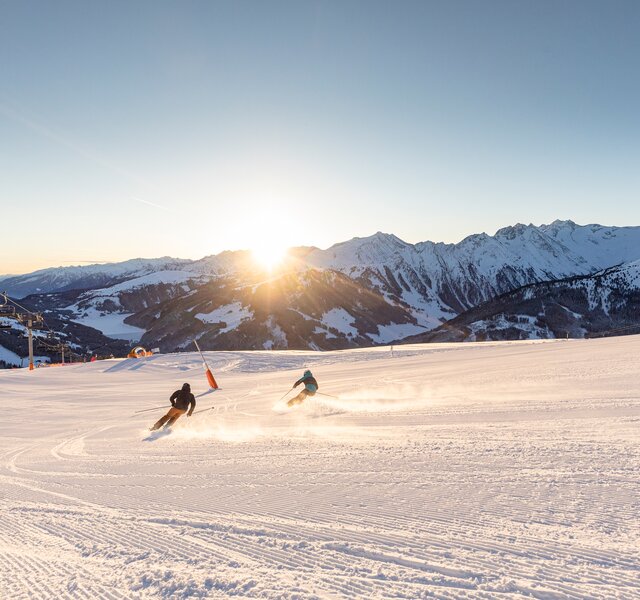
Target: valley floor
[(495, 470)]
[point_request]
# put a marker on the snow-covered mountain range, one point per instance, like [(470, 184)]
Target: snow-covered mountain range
[(361, 292), (607, 302), (446, 279)]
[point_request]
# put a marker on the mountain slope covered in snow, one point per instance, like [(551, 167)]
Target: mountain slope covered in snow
[(607, 302), (300, 310), (61, 279)]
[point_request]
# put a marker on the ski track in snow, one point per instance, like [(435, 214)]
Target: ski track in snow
[(495, 470)]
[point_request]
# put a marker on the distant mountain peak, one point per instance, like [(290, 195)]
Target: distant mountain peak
[(377, 237), (563, 223), (513, 231)]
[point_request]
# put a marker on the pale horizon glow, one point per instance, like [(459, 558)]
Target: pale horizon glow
[(187, 129)]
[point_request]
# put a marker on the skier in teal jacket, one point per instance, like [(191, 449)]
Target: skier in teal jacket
[(310, 388)]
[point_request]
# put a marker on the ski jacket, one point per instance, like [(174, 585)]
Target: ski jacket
[(183, 399), (310, 383)]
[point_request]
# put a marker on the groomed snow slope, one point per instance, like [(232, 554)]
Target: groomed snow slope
[(502, 470)]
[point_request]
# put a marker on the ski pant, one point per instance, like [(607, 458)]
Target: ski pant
[(301, 397), (170, 418)]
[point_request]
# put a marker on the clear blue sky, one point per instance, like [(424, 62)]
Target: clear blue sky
[(154, 128)]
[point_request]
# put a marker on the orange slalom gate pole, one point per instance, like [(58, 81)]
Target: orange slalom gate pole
[(210, 378)]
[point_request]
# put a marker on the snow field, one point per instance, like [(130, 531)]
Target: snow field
[(494, 470)]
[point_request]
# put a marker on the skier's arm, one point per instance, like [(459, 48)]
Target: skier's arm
[(192, 405), (297, 383), (173, 397)]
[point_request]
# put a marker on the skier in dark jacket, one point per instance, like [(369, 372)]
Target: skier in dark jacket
[(181, 400), (310, 388)]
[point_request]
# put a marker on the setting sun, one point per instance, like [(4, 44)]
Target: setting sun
[(269, 256), (268, 231)]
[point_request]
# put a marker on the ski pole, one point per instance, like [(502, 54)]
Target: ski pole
[(283, 397), (202, 410), (328, 395), (149, 409)]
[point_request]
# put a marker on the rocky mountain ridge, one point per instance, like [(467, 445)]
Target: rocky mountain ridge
[(605, 303)]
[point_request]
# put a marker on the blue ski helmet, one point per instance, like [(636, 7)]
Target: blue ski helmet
[(307, 373)]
